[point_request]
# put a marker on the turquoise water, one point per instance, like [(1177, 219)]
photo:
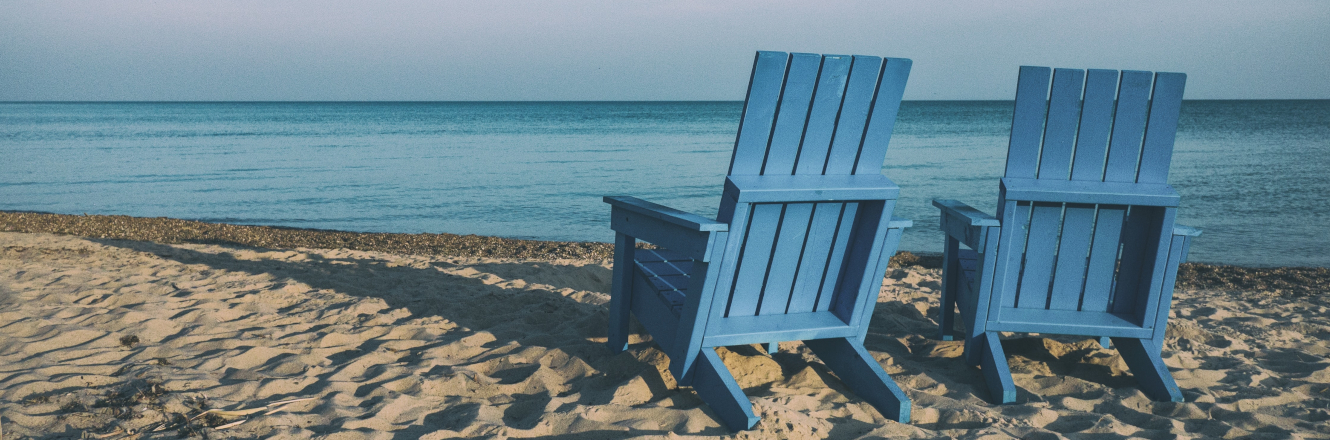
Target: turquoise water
[(1253, 174)]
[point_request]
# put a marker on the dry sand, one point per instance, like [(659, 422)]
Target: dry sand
[(111, 338)]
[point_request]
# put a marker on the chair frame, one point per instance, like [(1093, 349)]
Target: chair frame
[(1105, 197), (711, 260)]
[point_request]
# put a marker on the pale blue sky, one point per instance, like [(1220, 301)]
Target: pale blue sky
[(633, 50)]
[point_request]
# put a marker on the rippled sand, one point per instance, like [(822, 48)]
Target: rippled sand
[(118, 339)]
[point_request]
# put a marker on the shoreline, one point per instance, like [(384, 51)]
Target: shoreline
[(1280, 280)]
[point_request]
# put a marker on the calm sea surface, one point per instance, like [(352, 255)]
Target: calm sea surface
[(1254, 175)]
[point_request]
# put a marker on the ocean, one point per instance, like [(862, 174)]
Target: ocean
[(1254, 175)]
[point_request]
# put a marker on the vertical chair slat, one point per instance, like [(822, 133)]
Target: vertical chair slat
[(853, 118), (759, 113), (836, 259), (1100, 240), (1064, 108), (1177, 253), (1165, 106), (813, 260), (821, 127), (886, 105), (1073, 252), (1040, 249), (1027, 125), (1103, 258), (755, 260), (865, 264), (1043, 253), (1096, 123), (800, 80), (1137, 260), (730, 260), (787, 137), (785, 259), (1159, 233), (1124, 150), (1019, 217)]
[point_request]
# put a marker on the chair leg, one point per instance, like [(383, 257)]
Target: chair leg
[(773, 347), (947, 315), (996, 372), (1143, 358), (1103, 342), (857, 369), (620, 292), (714, 384), (951, 274)]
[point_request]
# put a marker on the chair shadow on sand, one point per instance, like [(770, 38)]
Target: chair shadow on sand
[(532, 318)]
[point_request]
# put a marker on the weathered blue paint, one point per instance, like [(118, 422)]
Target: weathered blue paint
[(800, 244), (1084, 242)]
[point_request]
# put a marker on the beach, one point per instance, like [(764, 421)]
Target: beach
[(128, 327)]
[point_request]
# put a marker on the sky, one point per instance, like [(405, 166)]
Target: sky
[(309, 50)]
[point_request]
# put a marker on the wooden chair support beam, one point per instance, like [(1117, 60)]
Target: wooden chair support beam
[(716, 386), (1148, 367), (861, 372), (996, 372)]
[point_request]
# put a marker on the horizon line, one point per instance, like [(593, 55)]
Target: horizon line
[(519, 101)]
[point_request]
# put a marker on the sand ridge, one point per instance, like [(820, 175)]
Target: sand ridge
[(125, 339)]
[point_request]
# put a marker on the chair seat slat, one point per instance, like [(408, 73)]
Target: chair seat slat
[(667, 273)]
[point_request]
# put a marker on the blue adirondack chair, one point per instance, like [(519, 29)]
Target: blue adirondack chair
[(1084, 242), (800, 244)]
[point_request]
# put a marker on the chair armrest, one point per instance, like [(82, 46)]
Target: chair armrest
[(900, 223), (689, 234), (964, 213), (964, 223), (667, 214), (816, 188), (1186, 230)]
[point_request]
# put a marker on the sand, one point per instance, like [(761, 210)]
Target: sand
[(108, 338)]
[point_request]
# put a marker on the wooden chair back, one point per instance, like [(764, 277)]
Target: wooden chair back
[(808, 114), (1101, 143)]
